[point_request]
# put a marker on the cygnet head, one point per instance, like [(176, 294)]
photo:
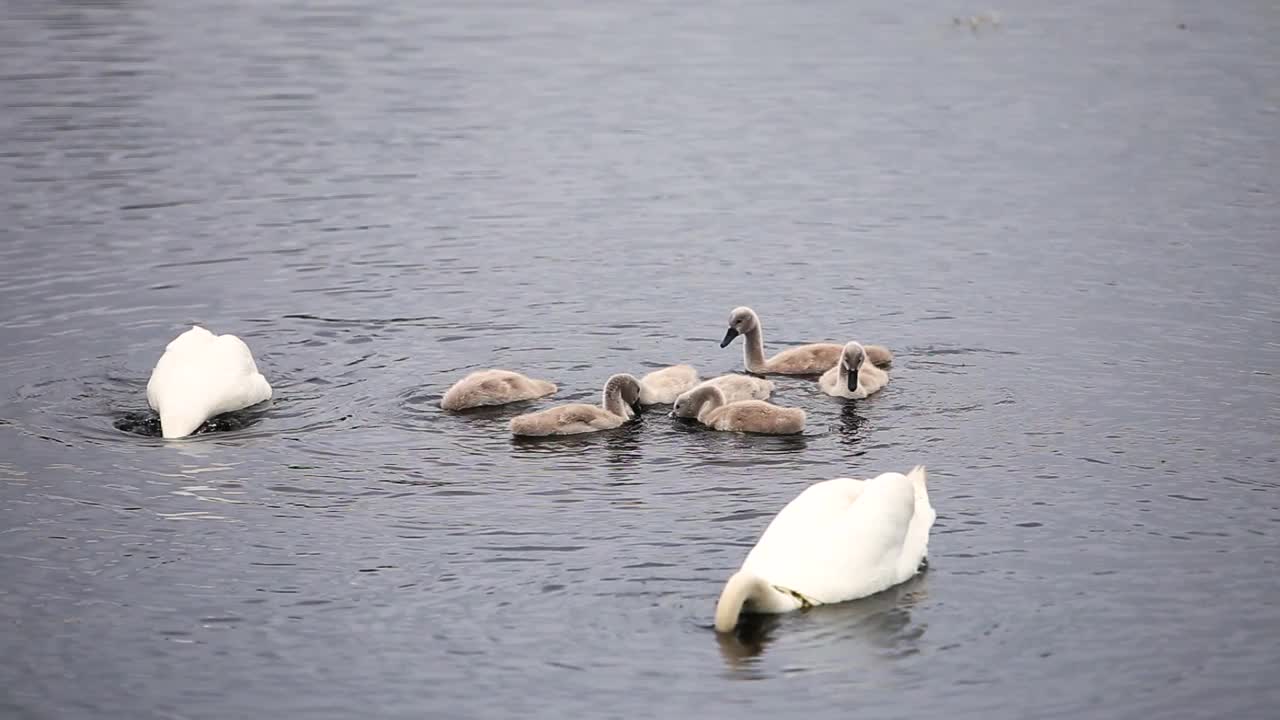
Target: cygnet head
[(741, 321), (683, 406), (851, 360), (624, 387), (690, 404)]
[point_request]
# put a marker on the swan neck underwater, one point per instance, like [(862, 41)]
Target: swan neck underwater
[(744, 321), (746, 591), (183, 420)]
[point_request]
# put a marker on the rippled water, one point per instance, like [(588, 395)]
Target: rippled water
[(1066, 223)]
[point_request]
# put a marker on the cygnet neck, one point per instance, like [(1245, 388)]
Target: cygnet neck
[(612, 399), (706, 400), (753, 347)]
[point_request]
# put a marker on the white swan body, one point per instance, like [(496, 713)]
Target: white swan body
[(855, 376), (707, 404), (661, 387), (838, 540), (811, 359), (621, 393), (735, 388), (202, 375), (494, 387)]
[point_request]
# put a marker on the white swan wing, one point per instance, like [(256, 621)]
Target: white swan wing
[(839, 540), (795, 542), (193, 340), (234, 380), (916, 545), (178, 366)]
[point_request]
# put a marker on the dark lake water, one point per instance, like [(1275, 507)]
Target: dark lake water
[(1066, 222)]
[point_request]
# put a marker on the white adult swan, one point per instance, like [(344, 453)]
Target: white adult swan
[(804, 360), (494, 387), (707, 404), (838, 540), (202, 375), (854, 376), (734, 387), (621, 393), (661, 387)]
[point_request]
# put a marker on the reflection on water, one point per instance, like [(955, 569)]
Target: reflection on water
[(623, 449), (147, 424), (853, 424), (741, 647)]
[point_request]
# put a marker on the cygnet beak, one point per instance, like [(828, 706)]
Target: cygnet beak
[(728, 337), (853, 379)]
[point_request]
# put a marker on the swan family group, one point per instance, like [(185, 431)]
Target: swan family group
[(838, 540)]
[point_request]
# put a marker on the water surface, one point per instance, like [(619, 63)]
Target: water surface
[(1066, 225)]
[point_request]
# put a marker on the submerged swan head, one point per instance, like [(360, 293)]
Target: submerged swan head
[(621, 395), (742, 320), (696, 401), (851, 360)]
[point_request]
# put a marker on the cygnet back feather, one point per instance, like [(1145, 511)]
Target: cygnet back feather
[(494, 387), (661, 387)]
